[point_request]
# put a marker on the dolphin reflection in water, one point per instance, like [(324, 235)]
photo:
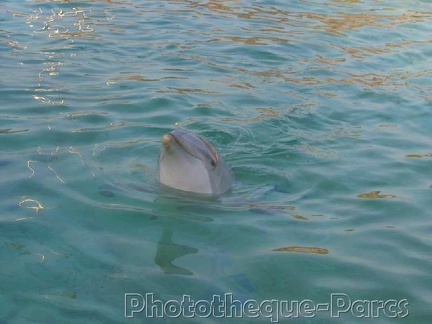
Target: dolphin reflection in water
[(168, 251), (188, 162)]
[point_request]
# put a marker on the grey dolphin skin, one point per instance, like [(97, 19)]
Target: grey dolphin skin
[(188, 162)]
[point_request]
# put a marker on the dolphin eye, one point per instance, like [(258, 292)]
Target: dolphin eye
[(213, 163)]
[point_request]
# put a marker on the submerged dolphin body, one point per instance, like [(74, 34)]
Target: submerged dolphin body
[(188, 162)]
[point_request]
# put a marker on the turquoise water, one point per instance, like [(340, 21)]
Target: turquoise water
[(321, 108)]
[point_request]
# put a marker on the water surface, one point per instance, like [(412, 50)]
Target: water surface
[(321, 108)]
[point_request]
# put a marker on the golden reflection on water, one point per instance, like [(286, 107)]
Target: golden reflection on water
[(253, 40), (418, 156), (317, 151), (302, 249), (219, 5), (335, 22), (132, 76), (187, 90), (263, 114), (300, 217), (374, 195), (254, 25), (338, 22), (244, 85), (268, 26)]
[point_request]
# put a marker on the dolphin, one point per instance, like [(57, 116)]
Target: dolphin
[(189, 163)]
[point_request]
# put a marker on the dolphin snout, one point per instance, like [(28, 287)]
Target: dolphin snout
[(167, 140)]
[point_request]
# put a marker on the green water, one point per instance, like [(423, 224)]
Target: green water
[(321, 108)]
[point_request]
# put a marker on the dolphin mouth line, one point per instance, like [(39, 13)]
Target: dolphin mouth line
[(179, 143), (214, 156)]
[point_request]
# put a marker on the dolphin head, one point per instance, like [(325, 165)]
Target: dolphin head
[(188, 162)]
